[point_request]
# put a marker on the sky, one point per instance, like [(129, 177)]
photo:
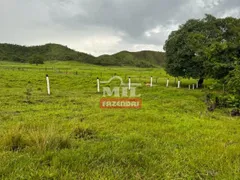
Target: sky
[(103, 26)]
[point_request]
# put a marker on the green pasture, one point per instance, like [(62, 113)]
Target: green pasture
[(68, 136)]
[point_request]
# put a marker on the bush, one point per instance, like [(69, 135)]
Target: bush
[(18, 59), (233, 81), (143, 64), (83, 133), (222, 101), (36, 60)]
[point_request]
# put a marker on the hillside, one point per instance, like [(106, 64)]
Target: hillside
[(48, 52), (9, 52), (141, 59)]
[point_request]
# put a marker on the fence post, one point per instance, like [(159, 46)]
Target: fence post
[(48, 85), (129, 83), (151, 82), (179, 83), (167, 83), (98, 85)]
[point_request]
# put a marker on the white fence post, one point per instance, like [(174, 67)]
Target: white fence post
[(48, 85), (129, 83), (151, 82), (167, 83), (98, 85), (179, 84), (193, 86)]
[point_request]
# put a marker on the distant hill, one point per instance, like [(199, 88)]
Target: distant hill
[(141, 58), (48, 52), (9, 52)]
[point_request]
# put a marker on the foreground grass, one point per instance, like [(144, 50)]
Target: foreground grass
[(67, 136)]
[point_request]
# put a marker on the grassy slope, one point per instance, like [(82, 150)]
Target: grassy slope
[(67, 136)]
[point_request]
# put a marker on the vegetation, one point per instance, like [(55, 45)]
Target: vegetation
[(36, 59), (67, 136), (233, 81), (207, 48), (141, 59), (204, 48), (17, 53), (36, 55)]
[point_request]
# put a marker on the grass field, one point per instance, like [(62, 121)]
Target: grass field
[(67, 136)]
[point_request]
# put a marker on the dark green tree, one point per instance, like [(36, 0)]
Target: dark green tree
[(36, 59), (203, 48), (18, 59)]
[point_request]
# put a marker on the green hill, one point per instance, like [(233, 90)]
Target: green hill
[(48, 52), (140, 59), (9, 52)]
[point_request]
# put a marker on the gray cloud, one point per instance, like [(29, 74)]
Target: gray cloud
[(103, 26)]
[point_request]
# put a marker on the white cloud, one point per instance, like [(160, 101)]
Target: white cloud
[(235, 12), (208, 4), (141, 47), (98, 44), (163, 30)]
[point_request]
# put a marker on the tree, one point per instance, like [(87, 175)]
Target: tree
[(36, 59), (203, 48), (18, 59)]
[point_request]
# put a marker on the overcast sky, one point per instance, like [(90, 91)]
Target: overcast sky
[(103, 26)]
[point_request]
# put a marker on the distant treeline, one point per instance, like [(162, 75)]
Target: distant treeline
[(48, 52)]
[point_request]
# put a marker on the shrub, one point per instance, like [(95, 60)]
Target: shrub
[(13, 140), (36, 60), (82, 133), (233, 81)]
